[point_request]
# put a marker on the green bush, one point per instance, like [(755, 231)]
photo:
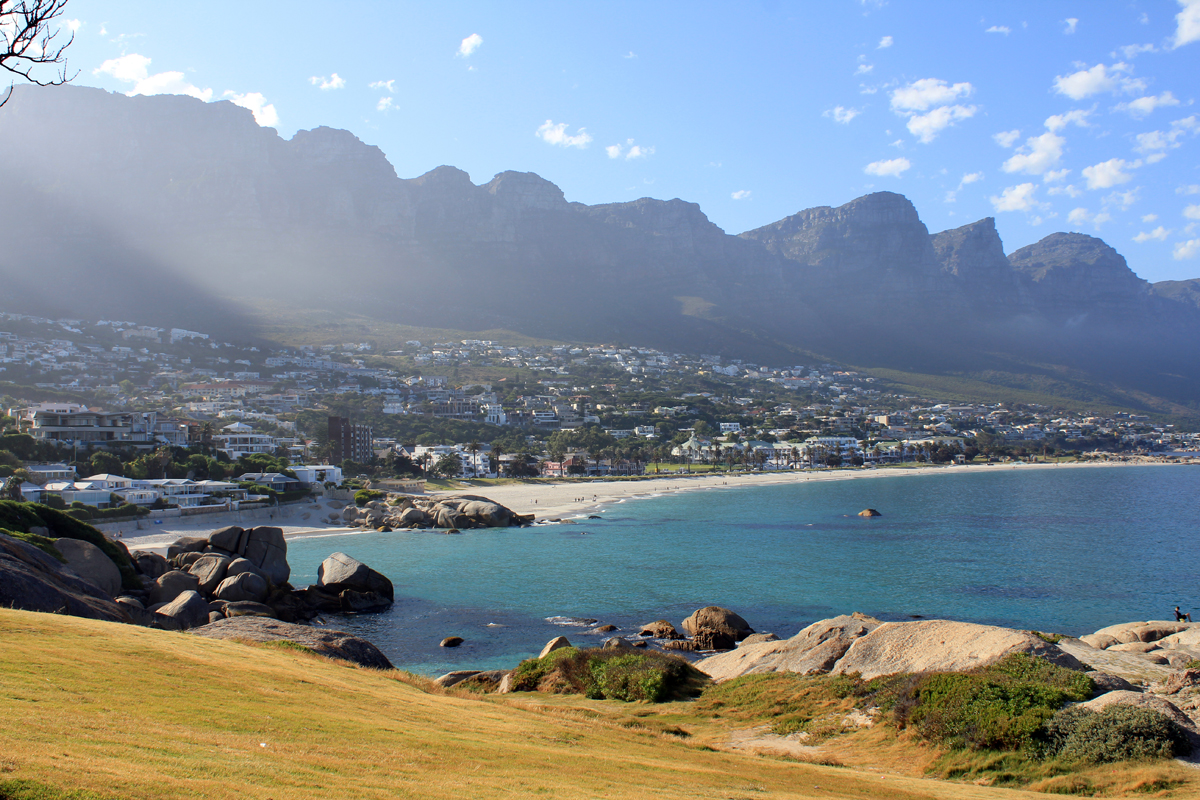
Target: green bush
[(1115, 733), (1003, 706), (364, 496), (649, 677)]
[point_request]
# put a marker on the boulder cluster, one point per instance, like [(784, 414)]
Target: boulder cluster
[(710, 628), (1175, 644), (236, 572), (406, 511)]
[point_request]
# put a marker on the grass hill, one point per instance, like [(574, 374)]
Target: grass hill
[(99, 710)]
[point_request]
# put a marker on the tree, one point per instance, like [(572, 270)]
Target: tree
[(28, 42), (13, 488), (106, 463), (449, 465)]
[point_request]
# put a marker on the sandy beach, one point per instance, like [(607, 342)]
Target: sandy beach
[(542, 499)]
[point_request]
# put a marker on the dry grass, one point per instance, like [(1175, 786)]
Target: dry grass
[(135, 713)]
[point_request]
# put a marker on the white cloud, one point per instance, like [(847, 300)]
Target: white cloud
[(970, 177), (1132, 51), (1192, 212), (1187, 249), (1109, 173), (1069, 190), (893, 167), (864, 89), (1149, 217), (741, 194), (630, 54), (73, 25), (325, 84), (1069, 25), (634, 151), (469, 45), (1055, 175), (1099, 78), (133, 68), (389, 85), (1144, 19), (385, 104), (1078, 216), (886, 41), (999, 29), (1038, 155), (1192, 189), (1006, 138), (1081, 216), (557, 134), (1124, 199), (841, 114), (264, 112), (1144, 105), (926, 127), (933, 96), (1159, 234), (1187, 24), (926, 93), (1059, 121), (1016, 198), (863, 69)]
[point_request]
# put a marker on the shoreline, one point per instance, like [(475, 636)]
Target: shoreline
[(568, 499)]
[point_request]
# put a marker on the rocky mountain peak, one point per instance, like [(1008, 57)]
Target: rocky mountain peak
[(526, 190), (327, 146), (1075, 274)]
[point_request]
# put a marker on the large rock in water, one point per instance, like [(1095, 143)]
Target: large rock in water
[(89, 562), (865, 645), (340, 572), (816, 649), (720, 620), (34, 581), (327, 642)]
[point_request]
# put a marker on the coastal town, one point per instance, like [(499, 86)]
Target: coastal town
[(468, 408)]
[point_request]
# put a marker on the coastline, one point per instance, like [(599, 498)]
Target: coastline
[(565, 499)]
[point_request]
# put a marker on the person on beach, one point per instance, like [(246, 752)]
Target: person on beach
[(1180, 616)]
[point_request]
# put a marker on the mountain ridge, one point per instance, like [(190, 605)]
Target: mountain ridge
[(189, 211)]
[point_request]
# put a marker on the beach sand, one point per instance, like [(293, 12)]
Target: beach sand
[(544, 500)]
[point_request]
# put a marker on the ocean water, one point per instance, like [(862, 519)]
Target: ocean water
[(1061, 550)]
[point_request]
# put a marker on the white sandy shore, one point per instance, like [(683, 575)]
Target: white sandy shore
[(547, 500)]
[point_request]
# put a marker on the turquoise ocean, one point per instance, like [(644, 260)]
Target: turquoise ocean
[(1060, 550)]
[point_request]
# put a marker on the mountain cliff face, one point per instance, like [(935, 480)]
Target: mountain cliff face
[(170, 210)]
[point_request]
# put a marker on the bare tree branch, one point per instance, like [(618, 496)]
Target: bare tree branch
[(29, 41)]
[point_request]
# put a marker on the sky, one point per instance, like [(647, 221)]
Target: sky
[(1071, 115)]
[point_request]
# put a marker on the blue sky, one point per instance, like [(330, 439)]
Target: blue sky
[(1049, 116)]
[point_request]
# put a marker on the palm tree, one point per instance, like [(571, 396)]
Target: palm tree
[(473, 447), (497, 451)]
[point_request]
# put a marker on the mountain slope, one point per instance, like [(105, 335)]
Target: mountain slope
[(176, 212)]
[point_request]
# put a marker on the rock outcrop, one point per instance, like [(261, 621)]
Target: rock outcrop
[(34, 581), (863, 645), (461, 512), (325, 641), (90, 563)]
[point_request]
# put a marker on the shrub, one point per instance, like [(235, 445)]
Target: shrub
[(364, 496), (649, 677), (1003, 706), (1115, 733)]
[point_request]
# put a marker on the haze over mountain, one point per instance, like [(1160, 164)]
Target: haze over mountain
[(176, 212)]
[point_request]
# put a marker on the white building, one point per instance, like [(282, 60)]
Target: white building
[(239, 439)]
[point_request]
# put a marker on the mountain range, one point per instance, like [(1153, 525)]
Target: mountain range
[(176, 212)]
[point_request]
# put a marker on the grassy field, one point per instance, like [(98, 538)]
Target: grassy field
[(119, 711)]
